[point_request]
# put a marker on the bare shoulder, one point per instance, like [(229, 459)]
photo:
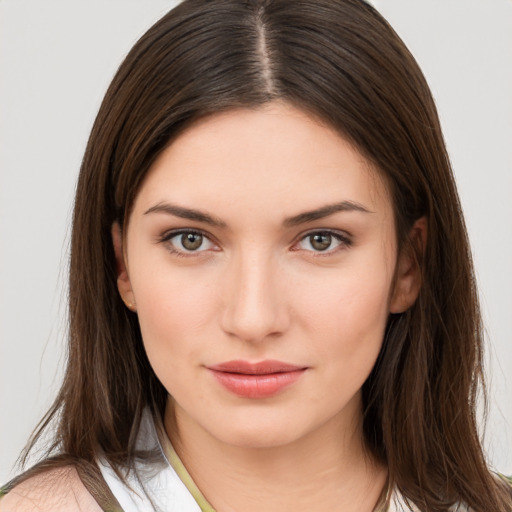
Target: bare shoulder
[(57, 490)]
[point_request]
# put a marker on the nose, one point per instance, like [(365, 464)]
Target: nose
[(255, 300)]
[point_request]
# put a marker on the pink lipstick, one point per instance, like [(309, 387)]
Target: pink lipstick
[(256, 380)]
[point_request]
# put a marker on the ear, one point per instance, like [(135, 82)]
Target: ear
[(123, 279), (408, 272)]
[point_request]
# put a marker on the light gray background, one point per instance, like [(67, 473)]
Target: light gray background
[(56, 60)]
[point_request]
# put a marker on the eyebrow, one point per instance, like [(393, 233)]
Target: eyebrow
[(325, 211), (186, 213), (301, 218)]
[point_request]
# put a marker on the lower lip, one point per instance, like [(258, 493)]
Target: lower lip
[(257, 386)]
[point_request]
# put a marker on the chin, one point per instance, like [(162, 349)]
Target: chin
[(259, 432)]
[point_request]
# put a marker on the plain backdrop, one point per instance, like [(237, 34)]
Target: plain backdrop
[(56, 61)]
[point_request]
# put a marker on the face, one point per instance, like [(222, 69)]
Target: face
[(260, 258)]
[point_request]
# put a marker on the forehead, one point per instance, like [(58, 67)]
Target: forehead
[(273, 159)]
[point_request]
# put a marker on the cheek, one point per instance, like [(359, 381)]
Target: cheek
[(347, 313), (174, 309)]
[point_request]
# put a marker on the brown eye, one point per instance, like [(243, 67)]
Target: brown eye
[(320, 241), (324, 241), (191, 241), (185, 242)]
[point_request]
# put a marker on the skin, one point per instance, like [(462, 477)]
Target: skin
[(256, 288), (57, 490)]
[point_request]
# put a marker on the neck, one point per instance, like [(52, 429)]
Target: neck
[(325, 470)]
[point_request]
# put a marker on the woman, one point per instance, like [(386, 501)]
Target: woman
[(257, 322)]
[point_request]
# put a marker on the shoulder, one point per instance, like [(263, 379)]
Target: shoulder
[(57, 490)]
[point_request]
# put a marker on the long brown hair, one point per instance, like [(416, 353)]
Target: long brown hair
[(340, 61)]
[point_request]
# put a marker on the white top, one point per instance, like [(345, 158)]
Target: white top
[(157, 489)]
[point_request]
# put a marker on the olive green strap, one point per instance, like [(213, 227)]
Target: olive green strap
[(95, 484)]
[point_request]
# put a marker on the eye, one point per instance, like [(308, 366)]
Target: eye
[(323, 241), (186, 242)]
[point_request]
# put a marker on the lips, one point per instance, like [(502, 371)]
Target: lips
[(256, 380)]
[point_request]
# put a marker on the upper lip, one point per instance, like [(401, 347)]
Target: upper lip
[(260, 368)]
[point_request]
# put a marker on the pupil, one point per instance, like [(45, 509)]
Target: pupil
[(191, 241), (321, 242)]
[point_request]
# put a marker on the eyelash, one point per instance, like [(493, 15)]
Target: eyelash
[(344, 241), (167, 237)]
